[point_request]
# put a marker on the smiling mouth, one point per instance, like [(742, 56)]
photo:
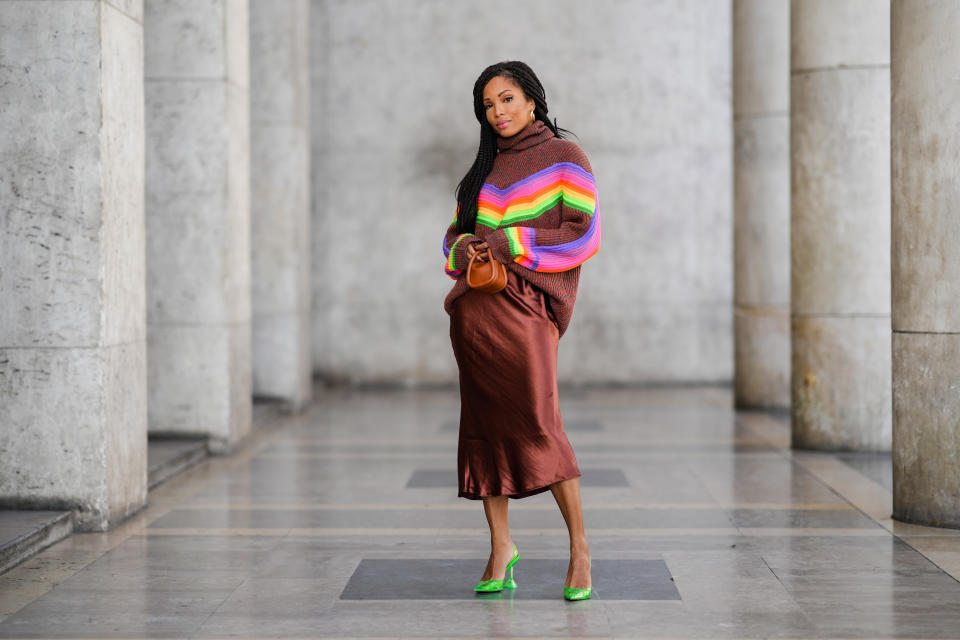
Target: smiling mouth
[(501, 125)]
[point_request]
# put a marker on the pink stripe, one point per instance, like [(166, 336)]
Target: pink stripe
[(537, 185), (488, 195)]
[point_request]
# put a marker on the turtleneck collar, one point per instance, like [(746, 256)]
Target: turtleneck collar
[(535, 133)]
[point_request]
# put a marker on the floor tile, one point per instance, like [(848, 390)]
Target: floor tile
[(702, 523)]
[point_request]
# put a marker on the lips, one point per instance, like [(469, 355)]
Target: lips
[(501, 125)]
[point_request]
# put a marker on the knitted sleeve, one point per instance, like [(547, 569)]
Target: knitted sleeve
[(455, 250), (578, 236)]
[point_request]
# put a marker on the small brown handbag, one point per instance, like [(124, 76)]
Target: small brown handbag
[(489, 276)]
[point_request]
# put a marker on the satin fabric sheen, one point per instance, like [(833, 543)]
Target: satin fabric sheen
[(511, 433)]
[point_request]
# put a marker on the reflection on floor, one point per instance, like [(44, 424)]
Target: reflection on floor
[(344, 522)]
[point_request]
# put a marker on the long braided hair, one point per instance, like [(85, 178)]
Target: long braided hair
[(469, 188)]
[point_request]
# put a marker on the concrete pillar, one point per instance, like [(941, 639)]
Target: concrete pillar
[(321, 74), (198, 218), (926, 272), (73, 407), (761, 125), (840, 224), (280, 199)]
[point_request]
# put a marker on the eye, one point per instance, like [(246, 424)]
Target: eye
[(487, 106), (508, 99)]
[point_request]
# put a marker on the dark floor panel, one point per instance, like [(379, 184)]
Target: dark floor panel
[(448, 478), (538, 579)]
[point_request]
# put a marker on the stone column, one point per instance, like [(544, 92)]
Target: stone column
[(198, 218), (73, 379), (761, 125), (840, 224), (926, 270), (320, 192), (280, 199)]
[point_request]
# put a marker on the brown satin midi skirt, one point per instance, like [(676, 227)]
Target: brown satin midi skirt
[(512, 441)]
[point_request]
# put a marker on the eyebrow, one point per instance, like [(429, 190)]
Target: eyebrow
[(498, 95)]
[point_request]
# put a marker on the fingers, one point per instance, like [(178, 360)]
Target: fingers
[(476, 247)]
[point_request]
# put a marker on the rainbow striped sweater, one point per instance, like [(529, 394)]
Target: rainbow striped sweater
[(538, 212)]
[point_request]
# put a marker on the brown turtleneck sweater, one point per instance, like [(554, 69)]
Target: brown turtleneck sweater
[(538, 212)]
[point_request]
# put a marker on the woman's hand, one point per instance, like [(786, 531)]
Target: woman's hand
[(477, 247)]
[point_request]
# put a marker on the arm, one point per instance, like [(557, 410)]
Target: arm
[(455, 250), (574, 241)]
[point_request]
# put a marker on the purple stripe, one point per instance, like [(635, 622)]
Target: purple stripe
[(543, 172)]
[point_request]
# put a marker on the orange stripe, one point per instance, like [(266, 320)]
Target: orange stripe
[(588, 195)]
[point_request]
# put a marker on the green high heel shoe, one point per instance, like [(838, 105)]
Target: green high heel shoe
[(486, 586), (575, 593)]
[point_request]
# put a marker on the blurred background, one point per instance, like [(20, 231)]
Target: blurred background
[(646, 88)]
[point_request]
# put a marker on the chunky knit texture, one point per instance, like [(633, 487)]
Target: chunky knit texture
[(538, 212)]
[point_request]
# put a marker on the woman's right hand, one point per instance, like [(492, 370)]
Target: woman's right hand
[(476, 247)]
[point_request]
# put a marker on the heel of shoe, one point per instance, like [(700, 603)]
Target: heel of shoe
[(509, 582), (506, 583)]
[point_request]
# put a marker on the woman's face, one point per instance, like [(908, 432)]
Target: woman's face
[(507, 108)]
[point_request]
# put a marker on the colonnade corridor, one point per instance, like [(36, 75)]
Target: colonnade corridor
[(344, 522)]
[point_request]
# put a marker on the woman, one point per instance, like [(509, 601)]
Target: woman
[(530, 199)]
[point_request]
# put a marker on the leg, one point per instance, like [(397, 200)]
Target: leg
[(501, 545), (567, 495)]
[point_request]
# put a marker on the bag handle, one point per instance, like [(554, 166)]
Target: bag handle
[(485, 252)]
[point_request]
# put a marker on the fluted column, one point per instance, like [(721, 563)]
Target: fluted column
[(840, 224), (280, 199), (73, 378), (761, 124), (198, 218), (926, 269)]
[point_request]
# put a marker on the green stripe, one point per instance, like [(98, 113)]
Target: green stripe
[(513, 236), (580, 205), (451, 263), (535, 212)]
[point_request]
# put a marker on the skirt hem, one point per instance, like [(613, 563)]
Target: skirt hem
[(469, 495)]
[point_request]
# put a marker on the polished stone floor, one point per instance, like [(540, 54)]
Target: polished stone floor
[(344, 522)]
